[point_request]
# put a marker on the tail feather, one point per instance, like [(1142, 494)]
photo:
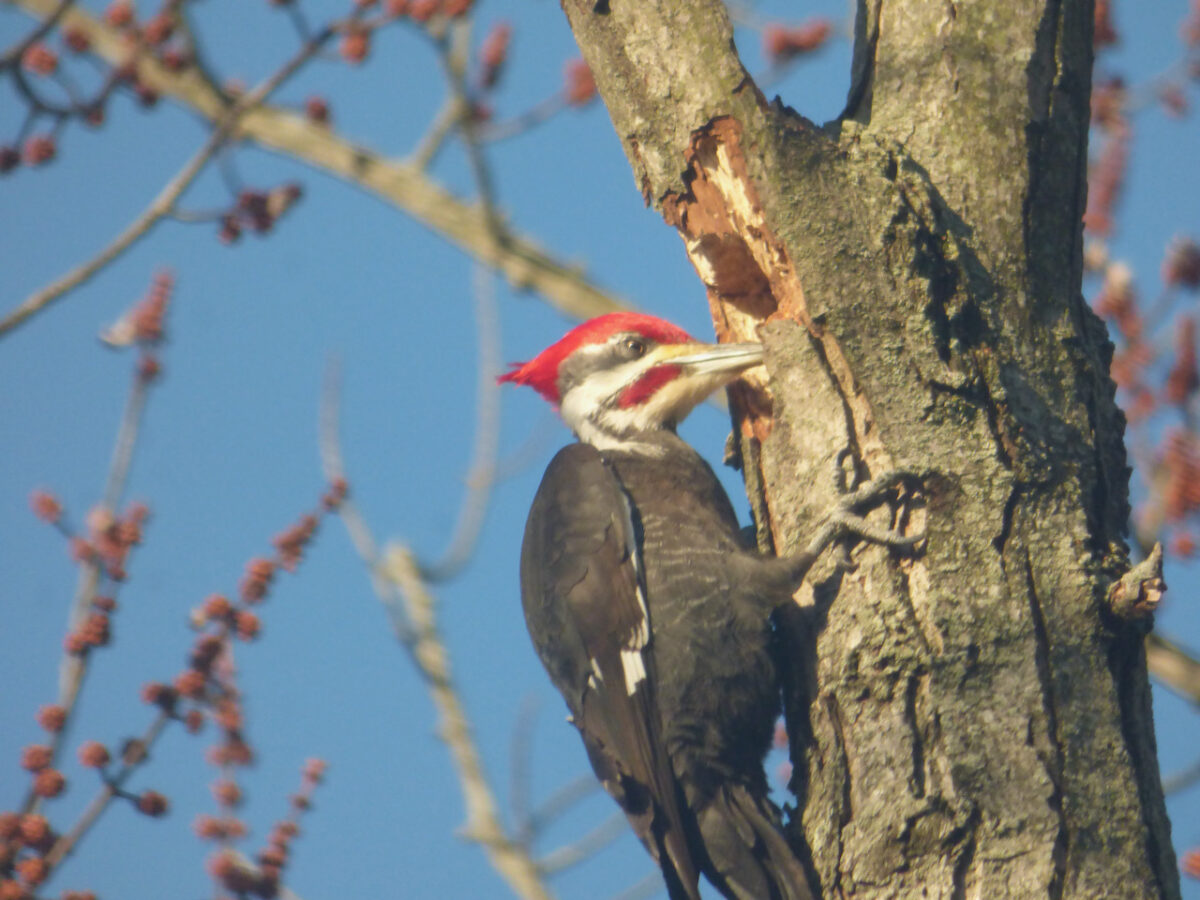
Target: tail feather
[(747, 853)]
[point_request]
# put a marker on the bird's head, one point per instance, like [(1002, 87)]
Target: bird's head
[(624, 374)]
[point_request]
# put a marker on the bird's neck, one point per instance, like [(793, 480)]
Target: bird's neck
[(655, 443)]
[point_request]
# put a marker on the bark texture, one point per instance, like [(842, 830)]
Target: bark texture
[(975, 722)]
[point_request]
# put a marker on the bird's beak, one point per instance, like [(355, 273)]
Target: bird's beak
[(712, 359), (679, 376)]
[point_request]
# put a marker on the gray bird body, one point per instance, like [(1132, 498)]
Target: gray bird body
[(644, 536)]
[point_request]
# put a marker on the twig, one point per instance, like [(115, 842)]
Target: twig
[(453, 50), (12, 58), (195, 51), (559, 802), (481, 476), (649, 886), (158, 208), (162, 205), (356, 525), (1174, 666), (73, 669), (112, 787), (1178, 781), (398, 584), (299, 22), (520, 756), (523, 263), (74, 666), (531, 118), (483, 823), (586, 847), (38, 104), (434, 139)]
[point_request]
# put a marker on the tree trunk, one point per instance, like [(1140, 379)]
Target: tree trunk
[(975, 721)]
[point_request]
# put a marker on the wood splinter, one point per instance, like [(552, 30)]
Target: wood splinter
[(1140, 590)]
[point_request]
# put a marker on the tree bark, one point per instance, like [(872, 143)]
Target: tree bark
[(975, 721)]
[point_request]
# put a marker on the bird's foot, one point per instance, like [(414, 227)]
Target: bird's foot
[(847, 518)]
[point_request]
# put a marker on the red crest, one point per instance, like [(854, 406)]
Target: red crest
[(541, 372)]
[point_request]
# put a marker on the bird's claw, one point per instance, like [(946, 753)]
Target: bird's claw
[(848, 524), (847, 520), (873, 491)]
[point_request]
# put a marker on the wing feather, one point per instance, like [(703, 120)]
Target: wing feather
[(583, 590)]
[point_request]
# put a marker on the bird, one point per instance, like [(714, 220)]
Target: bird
[(651, 615)]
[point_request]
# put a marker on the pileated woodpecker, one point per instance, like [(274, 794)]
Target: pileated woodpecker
[(651, 617)]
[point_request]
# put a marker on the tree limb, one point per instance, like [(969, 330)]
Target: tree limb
[(1173, 666), (159, 208), (224, 125), (518, 258), (397, 581)]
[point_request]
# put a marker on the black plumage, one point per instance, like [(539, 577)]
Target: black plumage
[(632, 558), (651, 618)]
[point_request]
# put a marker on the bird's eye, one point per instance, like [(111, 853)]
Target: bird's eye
[(633, 347)]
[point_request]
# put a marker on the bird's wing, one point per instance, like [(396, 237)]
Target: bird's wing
[(584, 595)]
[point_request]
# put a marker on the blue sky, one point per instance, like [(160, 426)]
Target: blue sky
[(228, 456)]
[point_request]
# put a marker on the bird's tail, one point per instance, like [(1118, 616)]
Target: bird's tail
[(746, 849)]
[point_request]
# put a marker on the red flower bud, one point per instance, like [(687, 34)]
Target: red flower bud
[(316, 109), (52, 717), (782, 43), (93, 755), (40, 59), (119, 13), (35, 757), (581, 86), (49, 783), (45, 506), (355, 45), (39, 149), (152, 803)]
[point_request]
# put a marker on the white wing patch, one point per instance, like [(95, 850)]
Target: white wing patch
[(632, 662), (635, 669)]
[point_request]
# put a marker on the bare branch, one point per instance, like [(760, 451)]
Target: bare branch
[(431, 657), (1174, 666), (587, 846), (12, 57), (160, 207), (164, 203), (112, 787), (398, 584), (356, 525), (571, 793), (402, 184), (481, 475)]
